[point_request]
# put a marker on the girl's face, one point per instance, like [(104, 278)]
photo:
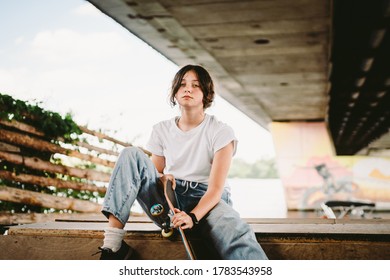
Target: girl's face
[(190, 93)]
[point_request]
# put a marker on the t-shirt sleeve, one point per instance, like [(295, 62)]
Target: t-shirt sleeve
[(224, 136), (154, 144)]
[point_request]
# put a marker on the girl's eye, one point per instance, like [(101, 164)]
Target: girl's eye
[(195, 85), (182, 85)]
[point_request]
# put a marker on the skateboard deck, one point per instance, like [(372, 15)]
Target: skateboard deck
[(161, 201), (172, 202)]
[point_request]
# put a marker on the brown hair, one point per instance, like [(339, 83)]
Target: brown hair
[(205, 82)]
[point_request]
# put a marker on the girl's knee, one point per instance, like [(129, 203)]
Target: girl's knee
[(131, 152)]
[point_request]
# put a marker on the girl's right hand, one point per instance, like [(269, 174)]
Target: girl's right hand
[(168, 177)]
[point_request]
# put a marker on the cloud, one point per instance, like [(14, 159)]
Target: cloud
[(19, 40), (106, 79), (64, 45), (87, 9), (98, 62)]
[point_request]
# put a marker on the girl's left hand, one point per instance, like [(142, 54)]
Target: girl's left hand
[(181, 219)]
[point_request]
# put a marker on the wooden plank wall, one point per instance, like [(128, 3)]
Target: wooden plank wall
[(97, 150)]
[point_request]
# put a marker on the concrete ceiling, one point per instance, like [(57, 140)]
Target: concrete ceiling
[(282, 60)]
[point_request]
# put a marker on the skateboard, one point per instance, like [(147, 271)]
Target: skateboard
[(172, 202), (162, 213), (355, 208)]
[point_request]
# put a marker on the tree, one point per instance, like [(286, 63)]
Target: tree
[(263, 168)]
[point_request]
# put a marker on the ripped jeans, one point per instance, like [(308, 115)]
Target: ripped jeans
[(135, 177)]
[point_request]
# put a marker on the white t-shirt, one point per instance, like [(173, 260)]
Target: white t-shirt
[(189, 154)]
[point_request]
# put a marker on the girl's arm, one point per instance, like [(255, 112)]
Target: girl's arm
[(159, 163), (218, 174)]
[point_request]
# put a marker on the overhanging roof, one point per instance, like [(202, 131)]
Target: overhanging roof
[(282, 60)]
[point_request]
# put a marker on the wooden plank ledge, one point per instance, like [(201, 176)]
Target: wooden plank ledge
[(280, 238), (260, 226)]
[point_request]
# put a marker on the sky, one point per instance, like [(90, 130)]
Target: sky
[(71, 58)]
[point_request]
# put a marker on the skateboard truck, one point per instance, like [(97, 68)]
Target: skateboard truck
[(157, 210)]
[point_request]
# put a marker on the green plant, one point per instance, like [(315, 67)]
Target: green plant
[(53, 126)]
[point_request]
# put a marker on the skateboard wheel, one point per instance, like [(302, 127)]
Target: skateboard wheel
[(156, 210), (167, 234)]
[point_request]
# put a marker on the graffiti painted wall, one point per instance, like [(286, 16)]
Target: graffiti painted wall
[(311, 173)]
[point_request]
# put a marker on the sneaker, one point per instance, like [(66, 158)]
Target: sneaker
[(124, 253)]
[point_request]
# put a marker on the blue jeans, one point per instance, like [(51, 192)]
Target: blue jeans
[(135, 177)]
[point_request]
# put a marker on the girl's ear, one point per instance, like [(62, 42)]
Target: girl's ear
[(174, 102)]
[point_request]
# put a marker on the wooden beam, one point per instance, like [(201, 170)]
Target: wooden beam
[(97, 149), (45, 182), (41, 145), (101, 135), (47, 200), (38, 164), (22, 127), (5, 147), (32, 130), (109, 138), (29, 218)]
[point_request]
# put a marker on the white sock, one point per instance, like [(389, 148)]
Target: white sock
[(113, 238)]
